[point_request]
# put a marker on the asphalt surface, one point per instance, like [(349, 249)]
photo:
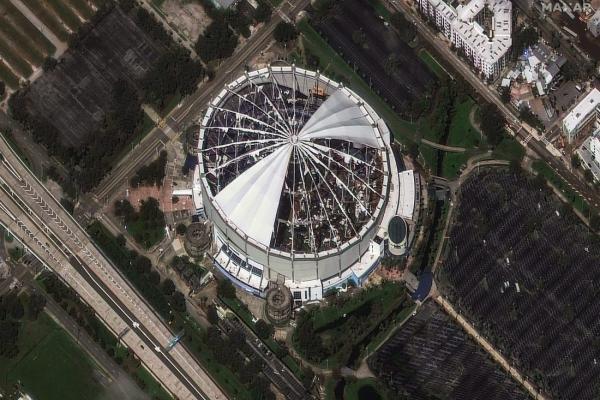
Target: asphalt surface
[(539, 147), (86, 272), (191, 107)]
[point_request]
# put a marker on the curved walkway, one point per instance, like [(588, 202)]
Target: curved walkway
[(450, 149)]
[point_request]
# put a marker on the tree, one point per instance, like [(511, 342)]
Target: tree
[(575, 161), (217, 42), (492, 123), (168, 287), (121, 241), (263, 329), (405, 28), (35, 305), (588, 175), (178, 301), (211, 314), (2, 89), (9, 333), (226, 289), (524, 38), (49, 64), (263, 11), (285, 32), (505, 94), (181, 229)]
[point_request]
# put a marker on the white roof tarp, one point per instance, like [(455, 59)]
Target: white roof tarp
[(251, 200), (407, 194), (340, 117)]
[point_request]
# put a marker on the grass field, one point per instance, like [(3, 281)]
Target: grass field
[(509, 149), (47, 18), (578, 202), (65, 13), (364, 389), (82, 8), (50, 366), (7, 76), (11, 56), (12, 16), (433, 64)]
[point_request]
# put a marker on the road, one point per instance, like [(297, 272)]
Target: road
[(191, 107), (36, 219), (518, 128)]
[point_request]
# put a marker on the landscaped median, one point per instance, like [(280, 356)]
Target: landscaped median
[(574, 199)]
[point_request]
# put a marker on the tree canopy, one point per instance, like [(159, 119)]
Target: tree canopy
[(217, 42), (285, 32)]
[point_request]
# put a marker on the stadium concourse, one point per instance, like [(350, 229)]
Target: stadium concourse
[(297, 175)]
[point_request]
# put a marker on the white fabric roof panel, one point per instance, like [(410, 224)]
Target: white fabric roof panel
[(339, 117), (251, 200)]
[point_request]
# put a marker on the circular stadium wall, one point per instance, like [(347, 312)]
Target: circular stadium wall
[(295, 171)]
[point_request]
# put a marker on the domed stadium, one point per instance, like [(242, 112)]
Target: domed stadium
[(295, 176)]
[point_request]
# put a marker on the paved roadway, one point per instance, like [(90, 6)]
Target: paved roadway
[(37, 219), (538, 146), (275, 370), (192, 105)]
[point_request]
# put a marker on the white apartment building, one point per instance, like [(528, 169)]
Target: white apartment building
[(481, 28), (585, 116), (589, 154)]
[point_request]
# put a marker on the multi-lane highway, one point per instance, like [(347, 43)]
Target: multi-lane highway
[(191, 106), (36, 219)]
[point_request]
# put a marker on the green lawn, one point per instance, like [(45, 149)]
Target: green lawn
[(7, 76), (65, 12), (50, 365), (15, 60), (19, 20), (509, 149), (433, 64), (462, 133), (151, 385), (82, 7), (47, 18), (335, 67), (578, 202)]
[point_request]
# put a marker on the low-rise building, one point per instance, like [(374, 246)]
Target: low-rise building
[(589, 154), (480, 28), (594, 23), (584, 117)]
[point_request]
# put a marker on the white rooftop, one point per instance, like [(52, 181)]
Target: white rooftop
[(489, 49), (572, 120)]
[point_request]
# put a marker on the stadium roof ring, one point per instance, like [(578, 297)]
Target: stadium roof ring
[(295, 170)]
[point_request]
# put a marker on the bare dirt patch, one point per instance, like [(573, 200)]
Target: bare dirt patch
[(189, 17)]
